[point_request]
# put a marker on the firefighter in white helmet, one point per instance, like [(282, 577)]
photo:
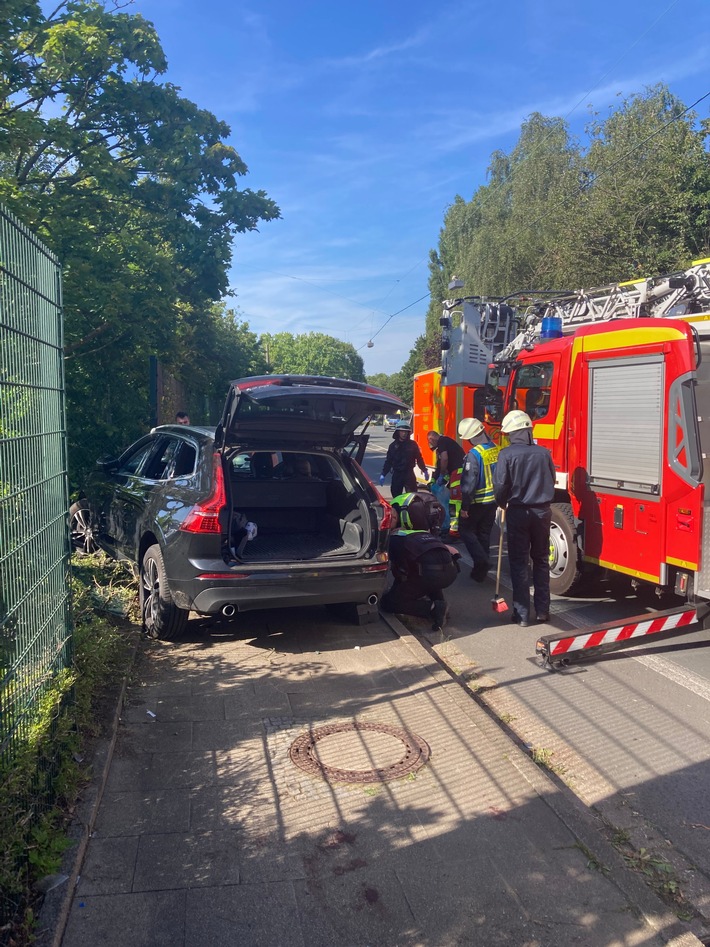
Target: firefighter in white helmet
[(478, 504), (524, 484)]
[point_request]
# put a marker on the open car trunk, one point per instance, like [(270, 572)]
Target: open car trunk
[(302, 506)]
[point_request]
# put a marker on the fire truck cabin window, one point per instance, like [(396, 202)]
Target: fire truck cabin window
[(531, 391)]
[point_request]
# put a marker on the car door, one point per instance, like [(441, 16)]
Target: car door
[(134, 481), (357, 447), (112, 475)]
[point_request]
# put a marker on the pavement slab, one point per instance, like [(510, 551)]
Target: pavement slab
[(155, 919), (208, 832), (262, 915)]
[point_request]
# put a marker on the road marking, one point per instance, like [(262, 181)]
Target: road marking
[(690, 681), (687, 679)]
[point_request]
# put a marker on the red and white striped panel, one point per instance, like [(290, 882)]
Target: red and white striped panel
[(623, 632)]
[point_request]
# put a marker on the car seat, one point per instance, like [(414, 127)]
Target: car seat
[(263, 466)]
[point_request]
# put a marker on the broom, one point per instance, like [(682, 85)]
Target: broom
[(498, 603)]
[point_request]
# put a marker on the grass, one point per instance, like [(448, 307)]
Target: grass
[(543, 757), (658, 873), (40, 786), (592, 861)]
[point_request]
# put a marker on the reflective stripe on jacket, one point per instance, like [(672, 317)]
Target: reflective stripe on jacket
[(488, 454), (455, 484)]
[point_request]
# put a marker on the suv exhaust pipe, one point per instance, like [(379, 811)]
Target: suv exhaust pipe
[(228, 611), (372, 600)]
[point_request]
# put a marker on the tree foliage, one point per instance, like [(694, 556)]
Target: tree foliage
[(632, 200), (401, 383), (312, 353), (223, 348), (134, 188)]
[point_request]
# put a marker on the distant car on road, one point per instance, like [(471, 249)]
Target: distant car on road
[(390, 423), (271, 509)]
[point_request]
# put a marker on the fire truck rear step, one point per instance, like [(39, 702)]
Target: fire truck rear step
[(564, 648)]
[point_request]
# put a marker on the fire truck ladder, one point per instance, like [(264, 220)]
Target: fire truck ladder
[(681, 295), (564, 648)]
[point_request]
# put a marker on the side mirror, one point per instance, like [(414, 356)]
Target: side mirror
[(107, 464)]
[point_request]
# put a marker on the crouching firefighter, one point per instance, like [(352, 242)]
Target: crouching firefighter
[(422, 564)]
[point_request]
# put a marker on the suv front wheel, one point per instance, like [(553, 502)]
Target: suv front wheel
[(162, 618), (82, 528)]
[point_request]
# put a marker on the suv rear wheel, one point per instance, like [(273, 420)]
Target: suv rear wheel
[(162, 618)]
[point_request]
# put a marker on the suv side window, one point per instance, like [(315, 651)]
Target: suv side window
[(133, 464), (184, 464), (163, 464)]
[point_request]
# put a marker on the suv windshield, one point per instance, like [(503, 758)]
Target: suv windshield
[(317, 409)]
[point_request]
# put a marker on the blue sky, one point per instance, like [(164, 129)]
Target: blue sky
[(364, 120)]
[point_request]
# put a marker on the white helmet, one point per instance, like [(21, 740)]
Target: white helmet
[(515, 421), (470, 428)]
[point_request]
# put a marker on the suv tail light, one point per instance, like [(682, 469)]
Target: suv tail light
[(204, 517), (385, 514)]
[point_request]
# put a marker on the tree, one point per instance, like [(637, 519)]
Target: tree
[(379, 380), (312, 353), (642, 206), (398, 384), (133, 187), (557, 215), (216, 348), (401, 383)]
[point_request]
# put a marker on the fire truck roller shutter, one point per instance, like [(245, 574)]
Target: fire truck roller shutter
[(626, 423)]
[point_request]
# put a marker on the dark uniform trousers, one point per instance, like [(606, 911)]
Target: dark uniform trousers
[(528, 529), (422, 568), (412, 597), (475, 531), (403, 481)]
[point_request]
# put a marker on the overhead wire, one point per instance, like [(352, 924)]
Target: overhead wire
[(516, 169), (565, 201), (390, 317), (490, 194)]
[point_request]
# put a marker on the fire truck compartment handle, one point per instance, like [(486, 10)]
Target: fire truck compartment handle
[(698, 351)]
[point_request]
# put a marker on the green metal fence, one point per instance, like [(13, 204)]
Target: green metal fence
[(35, 631)]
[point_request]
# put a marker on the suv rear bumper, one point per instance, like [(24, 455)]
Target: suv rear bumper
[(275, 589)]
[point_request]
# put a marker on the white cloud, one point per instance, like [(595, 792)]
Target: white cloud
[(379, 53)]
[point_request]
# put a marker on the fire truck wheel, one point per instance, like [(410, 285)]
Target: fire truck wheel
[(565, 558)]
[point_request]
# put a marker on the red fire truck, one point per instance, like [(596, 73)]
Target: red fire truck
[(617, 384)]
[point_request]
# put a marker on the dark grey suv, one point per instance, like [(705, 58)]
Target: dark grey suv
[(271, 509)]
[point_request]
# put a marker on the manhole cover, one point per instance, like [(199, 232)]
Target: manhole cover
[(308, 756)]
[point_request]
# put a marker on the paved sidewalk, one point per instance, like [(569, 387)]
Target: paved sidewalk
[(208, 833)]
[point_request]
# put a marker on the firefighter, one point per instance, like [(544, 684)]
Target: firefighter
[(403, 455), (524, 484), (422, 564), (478, 504), (449, 460)]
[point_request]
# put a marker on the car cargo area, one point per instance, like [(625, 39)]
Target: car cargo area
[(301, 506)]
